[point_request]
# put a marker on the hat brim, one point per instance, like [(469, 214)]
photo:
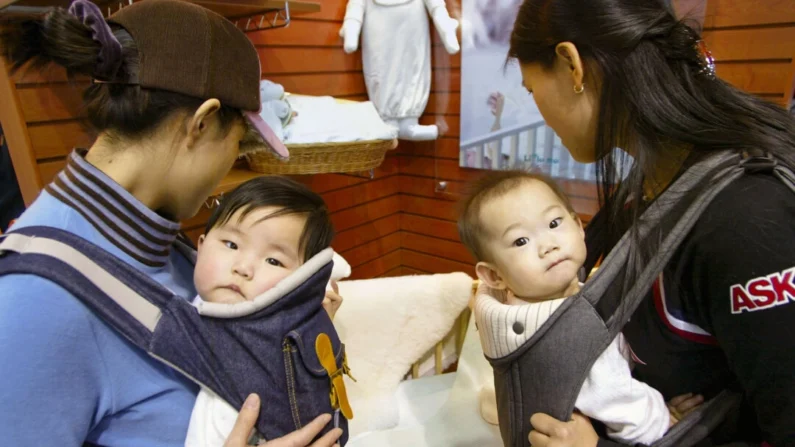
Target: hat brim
[(259, 131)]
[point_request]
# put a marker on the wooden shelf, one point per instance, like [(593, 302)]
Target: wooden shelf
[(227, 8)]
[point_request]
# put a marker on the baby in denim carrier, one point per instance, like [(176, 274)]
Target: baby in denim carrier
[(260, 233), (530, 247)]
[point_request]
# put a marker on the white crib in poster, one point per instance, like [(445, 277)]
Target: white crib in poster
[(532, 146)]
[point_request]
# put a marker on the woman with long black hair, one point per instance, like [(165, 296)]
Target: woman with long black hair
[(628, 74)]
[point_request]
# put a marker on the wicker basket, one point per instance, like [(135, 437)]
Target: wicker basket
[(317, 158)]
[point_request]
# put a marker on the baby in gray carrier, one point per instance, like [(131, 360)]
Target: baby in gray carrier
[(529, 245), (259, 235)]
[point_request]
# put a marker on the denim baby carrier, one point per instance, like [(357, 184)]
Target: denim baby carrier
[(546, 372), (282, 345)]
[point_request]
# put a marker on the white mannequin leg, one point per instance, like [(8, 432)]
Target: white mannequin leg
[(393, 123), (411, 129)]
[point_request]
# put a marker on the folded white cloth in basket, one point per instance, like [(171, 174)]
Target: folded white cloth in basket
[(322, 119)]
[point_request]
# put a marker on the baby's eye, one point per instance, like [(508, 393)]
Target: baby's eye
[(520, 242), (231, 245), (556, 223), (274, 262)]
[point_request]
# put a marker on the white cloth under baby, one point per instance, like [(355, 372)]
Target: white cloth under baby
[(458, 422), (211, 421), (323, 119), (633, 411)]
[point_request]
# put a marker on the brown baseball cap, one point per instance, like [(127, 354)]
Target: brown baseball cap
[(185, 48)]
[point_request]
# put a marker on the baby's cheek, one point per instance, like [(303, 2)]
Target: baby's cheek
[(270, 282), (203, 277)]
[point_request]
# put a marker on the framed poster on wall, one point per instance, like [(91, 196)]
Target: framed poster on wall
[(501, 127)]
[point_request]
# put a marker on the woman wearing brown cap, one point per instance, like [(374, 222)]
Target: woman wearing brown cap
[(169, 114)]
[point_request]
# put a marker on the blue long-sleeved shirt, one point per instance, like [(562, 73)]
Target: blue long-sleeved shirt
[(67, 376)]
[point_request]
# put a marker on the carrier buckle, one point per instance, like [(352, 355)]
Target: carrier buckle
[(759, 162)]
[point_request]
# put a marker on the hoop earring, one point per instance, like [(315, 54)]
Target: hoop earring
[(579, 90)]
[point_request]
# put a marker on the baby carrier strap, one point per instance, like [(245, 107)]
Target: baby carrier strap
[(100, 280), (708, 178), (284, 348), (546, 373)]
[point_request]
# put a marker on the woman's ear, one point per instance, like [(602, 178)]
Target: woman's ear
[(489, 275), (569, 55), (199, 123)]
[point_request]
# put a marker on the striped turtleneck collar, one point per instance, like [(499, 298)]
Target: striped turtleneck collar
[(118, 215)]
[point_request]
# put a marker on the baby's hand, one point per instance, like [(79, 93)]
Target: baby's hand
[(332, 300), (680, 406), (496, 103)]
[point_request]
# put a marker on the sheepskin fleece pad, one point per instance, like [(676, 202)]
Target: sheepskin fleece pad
[(458, 421), (387, 324)]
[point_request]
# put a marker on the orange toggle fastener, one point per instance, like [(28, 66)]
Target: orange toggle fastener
[(338, 396)]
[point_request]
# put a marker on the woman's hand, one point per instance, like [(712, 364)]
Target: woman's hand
[(333, 300), (680, 406), (299, 438), (550, 432)]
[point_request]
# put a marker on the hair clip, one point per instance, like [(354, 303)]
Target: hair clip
[(110, 52), (707, 61)]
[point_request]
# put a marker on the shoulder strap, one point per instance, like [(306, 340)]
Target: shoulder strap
[(708, 177), (103, 282)]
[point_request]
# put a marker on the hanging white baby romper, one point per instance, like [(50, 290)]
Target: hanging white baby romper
[(396, 57)]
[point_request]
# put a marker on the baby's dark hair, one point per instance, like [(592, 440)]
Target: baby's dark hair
[(290, 197), (491, 186)]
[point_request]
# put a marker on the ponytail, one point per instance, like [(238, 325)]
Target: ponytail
[(122, 109), (55, 37)]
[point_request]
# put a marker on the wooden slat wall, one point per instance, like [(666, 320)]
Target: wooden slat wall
[(428, 220), (754, 45), (306, 57)]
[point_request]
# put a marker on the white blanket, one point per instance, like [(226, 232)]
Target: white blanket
[(323, 119), (386, 325)]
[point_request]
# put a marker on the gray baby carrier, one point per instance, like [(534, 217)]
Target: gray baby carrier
[(545, 373)]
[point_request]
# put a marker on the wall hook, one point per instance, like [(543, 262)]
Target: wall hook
[(212, 202)]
